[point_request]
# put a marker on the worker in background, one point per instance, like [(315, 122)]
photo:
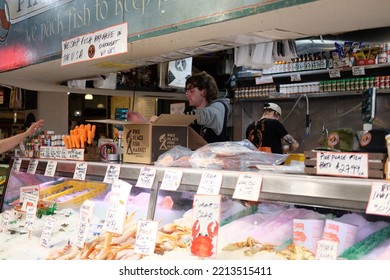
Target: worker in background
[(11, 142), (269, 134), (211, 112)]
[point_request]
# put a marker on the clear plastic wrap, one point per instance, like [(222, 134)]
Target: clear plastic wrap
[(176, 157), (233, 155)]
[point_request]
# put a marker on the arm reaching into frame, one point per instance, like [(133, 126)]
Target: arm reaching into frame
[(10, 142)]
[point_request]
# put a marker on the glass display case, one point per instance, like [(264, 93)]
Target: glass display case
[(244, 229)]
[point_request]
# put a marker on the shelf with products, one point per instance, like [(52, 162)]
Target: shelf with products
[(316, 83), (280, 96)]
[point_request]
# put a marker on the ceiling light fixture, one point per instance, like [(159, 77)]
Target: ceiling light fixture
[(88, 96)]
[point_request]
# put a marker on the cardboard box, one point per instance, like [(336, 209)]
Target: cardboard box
[(145, 142)]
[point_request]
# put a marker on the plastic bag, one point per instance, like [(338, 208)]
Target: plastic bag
[(233, 155), (176, 157)]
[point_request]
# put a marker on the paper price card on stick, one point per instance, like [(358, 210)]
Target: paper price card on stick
[(248, 187), (34, 190), (116, 213), (5, 220), (29, 205), (206, 215), (146, 236), (326, 250), (210, 183), (16, 165), (112, 173), (80, 171), (171, 180), (379, 201), (86, 212), (32, 166), (146, 177), (342, 164), (51, 168), (47, 231), (31, 211)]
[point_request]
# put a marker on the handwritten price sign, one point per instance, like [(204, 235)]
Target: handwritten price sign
[(32, 166), (116, 213), (146, 177), (47, 231), (248, 187), (326, 250), (86, 213), (146, 237), (379, 202), (342, 164), (80, 171), (210, 183), (51, 168)]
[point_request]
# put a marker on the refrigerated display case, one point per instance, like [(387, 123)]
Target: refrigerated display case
[(283, 197)]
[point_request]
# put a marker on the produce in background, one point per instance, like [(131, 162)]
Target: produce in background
[(79, 136)]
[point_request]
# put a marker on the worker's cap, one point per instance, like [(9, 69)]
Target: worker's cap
[(273, 106)]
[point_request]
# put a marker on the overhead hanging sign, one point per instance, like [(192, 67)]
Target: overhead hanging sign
[(32, 31), (102, 43)]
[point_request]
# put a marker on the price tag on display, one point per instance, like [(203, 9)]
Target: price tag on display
[(342, 164), (206, 214), (62, 153), (51, 168), (171, 180), (31, 212), (334, 73), (32, 166), (146, 236), (34, 190), (29, 199), (295, 77), (86, 213), (16, 165), (73, 154), (80, 171), (326, 250), (4, 222), (47, 231), (379, 201), (117, 209), (44, 152), (268, 79), (146, 177), (210, 183), (248, 187), (29, 205), (358, 71), (112, 173)]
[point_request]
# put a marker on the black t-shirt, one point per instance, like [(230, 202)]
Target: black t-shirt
[(272, 131)]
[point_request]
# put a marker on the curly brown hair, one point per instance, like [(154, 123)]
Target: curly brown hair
[(203, 80)]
